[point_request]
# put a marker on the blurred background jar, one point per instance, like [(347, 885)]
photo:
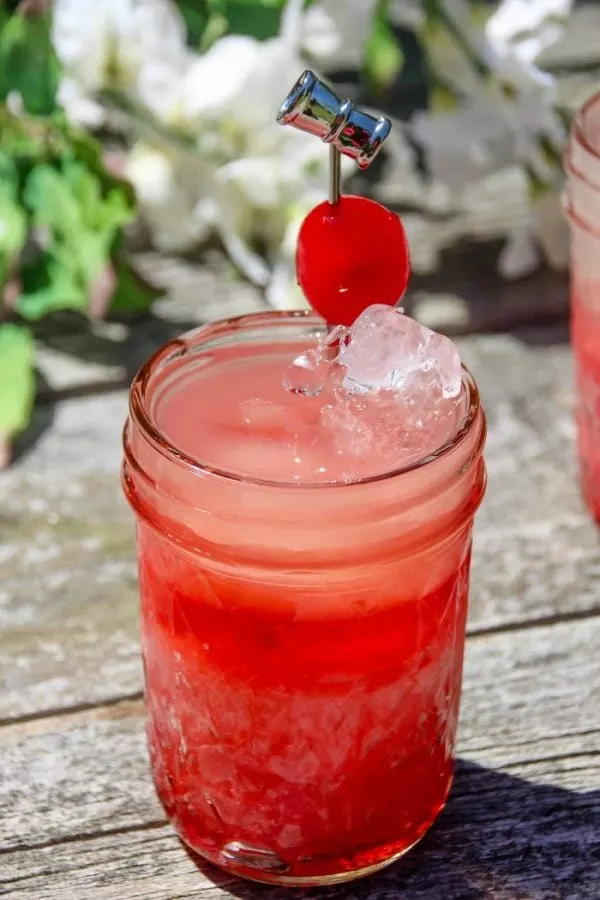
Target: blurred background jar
[(582, 206)]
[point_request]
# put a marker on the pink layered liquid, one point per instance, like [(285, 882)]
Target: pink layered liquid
[(236, 415), (303, 644)]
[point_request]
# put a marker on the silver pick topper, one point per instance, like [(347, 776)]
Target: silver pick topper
[(313, 107)]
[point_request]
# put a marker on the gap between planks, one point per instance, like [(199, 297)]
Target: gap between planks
[(86, 836)]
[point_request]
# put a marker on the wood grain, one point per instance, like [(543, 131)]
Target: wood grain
[(501, 837)]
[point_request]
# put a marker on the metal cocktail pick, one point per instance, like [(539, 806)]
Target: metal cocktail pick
[(313, 107)]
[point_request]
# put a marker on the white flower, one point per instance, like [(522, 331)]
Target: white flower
[(502, 102), (138, 46), (283, 291), (249, 180), (80, 107), (520, 255), (336, 32), (551, 228), (235, 172), (520, 30), (545, 233), (407, 14), (466, 145), (501, 111), (213, 83), (166, 184)]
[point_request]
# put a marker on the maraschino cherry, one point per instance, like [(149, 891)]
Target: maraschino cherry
[(351, 254)]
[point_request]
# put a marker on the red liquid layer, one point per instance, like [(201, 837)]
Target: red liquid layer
[(586, 345), (290, 747)]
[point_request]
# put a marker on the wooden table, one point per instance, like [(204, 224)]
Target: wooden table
[(79, 819)]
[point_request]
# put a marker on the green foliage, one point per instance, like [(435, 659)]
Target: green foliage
[(383, 53), (196, 14), (13, 220), (17, 379), (80, 227), (28, 65), (61, 214), (260, 20), (63, 208), (132, 294), (208, 20)]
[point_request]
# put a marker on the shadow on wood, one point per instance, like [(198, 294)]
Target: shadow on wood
[(500, 838), (137, 339)]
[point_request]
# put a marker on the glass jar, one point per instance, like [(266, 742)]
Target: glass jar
[(302, 644), (582, 206)]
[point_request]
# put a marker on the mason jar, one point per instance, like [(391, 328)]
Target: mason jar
[(302, 643)]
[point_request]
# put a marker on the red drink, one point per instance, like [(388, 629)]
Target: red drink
[(583, 209), (302, 636)]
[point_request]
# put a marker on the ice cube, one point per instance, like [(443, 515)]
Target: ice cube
[(443, 360), (309, 372), (387, 350)]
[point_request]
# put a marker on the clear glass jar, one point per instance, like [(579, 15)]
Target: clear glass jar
[(302, 644), (582, 206)]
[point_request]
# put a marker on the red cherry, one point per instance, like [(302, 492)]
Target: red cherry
[(350, 255)]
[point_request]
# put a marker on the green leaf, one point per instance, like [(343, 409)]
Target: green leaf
[(195, 14), (13, 220), (383, 55), (65, 211), (82, 225), (253, 18), (28, 64), (17, 379), (48, 195), (216, 27), (209, 19), (133, 293), (49, 285)]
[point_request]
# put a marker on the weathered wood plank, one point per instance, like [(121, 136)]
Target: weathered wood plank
[(76, 796), (501, 838), (75, 645), (67, 572), (531, 695)]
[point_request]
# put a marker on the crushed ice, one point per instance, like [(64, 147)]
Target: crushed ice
[(395, 385), (391, 394)]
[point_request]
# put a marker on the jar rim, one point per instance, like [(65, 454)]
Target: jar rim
[(578, 126), (153, 435)]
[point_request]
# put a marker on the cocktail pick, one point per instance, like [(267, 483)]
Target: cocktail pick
[(351, 251)]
